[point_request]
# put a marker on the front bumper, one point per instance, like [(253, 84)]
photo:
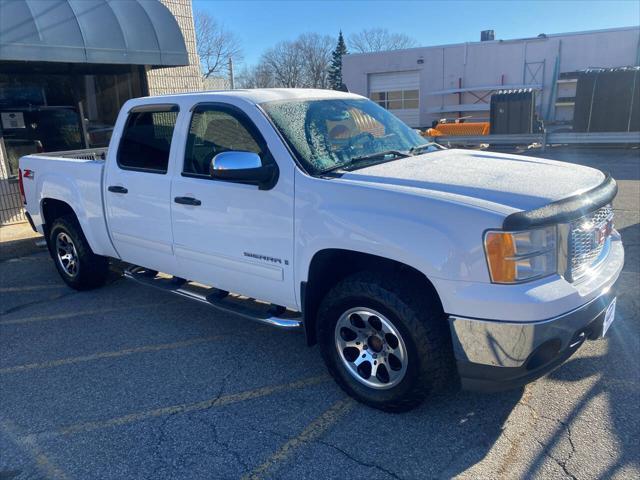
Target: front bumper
[(498, 355)]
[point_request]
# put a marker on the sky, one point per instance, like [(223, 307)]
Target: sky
[(261, 24)]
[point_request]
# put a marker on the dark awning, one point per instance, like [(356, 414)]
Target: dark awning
[(135, 32)]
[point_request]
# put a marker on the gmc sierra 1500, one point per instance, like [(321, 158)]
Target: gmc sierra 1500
[(411, 265)]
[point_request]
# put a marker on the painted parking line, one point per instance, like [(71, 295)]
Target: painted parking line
[(315, 429), (33, 451), (182, 408), (29, 288), (62, 316), (113, 354)]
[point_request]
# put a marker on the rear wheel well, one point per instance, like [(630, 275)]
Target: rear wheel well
[(53, 209), (328, 267)]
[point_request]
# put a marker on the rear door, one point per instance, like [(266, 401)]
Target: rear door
[(237, 238), (138, 188)]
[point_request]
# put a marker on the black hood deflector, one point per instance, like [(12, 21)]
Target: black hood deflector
[(565, 210)]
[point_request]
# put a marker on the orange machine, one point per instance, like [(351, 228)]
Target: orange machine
[(459, 129)]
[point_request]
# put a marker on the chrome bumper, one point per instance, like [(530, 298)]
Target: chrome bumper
[(495, 355)]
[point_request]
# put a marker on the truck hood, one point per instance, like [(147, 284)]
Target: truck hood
[(513, 181)]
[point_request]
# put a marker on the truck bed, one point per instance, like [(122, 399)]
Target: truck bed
[(74, 177)]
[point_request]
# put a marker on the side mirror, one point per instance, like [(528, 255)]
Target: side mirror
[(243, 167)]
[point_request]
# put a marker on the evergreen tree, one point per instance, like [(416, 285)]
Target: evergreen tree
[(335, 68)]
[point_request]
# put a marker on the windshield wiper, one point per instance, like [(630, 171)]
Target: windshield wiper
[(420, 148), (366, 160)]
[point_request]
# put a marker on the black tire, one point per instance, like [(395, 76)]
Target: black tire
[(418, 318), (92, 270)]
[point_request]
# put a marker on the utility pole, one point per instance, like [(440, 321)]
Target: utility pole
[(231, 82)]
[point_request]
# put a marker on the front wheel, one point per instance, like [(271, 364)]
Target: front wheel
[(385, 342), (76, 263)]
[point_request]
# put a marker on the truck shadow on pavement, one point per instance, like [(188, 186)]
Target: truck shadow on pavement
[(452, 433), (448, 434), (18, 248), (621, 398), (611, 378)]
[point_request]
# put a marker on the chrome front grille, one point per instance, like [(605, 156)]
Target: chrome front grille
[(589, 238)]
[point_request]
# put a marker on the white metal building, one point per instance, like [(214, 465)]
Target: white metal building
[(449, 81)]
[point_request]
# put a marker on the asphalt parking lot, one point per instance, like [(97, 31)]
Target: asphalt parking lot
[(129, 382)]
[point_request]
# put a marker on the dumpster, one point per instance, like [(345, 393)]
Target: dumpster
[(513, 111)]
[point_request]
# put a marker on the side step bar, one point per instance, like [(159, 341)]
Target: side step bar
[(272, 315)]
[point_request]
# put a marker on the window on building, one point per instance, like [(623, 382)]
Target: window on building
[(62, 106), (396, 99), (214, 130), (146, 140)]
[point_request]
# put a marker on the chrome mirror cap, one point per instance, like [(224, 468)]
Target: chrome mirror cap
[(235, 161), (244, 167)]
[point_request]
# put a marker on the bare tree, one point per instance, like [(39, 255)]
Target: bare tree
[(215, 45), (316, 56), (303, 62), (378, 40), (257, 76), (285, 60)]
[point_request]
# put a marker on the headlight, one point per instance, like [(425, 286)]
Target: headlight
[(515, 257)]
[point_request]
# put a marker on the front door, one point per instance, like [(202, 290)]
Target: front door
[(138, 188), (234, 236)]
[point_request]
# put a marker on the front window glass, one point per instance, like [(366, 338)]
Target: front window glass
[(212, 131), (329, 134)]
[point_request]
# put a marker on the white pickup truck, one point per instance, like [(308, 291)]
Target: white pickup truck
[(412, 266)]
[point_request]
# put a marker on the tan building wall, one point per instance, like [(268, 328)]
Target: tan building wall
[(179, 79), (161, 81)]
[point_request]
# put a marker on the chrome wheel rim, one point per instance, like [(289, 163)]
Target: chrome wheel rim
[(67, 254), (371, 348)]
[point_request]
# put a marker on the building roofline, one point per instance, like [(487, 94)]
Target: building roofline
[(511, 40)]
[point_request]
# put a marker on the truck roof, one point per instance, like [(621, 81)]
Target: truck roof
[(261, 95)]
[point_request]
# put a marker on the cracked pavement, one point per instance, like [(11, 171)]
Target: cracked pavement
[(189, 409)]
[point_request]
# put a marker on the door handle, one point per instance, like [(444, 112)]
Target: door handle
[(117, 189), (187, 201)]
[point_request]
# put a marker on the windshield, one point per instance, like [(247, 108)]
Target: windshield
[(330, 134)]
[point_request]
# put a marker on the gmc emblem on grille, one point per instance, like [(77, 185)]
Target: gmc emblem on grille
[(601, 234)]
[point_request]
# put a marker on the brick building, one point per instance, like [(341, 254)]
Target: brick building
[(66, 68)]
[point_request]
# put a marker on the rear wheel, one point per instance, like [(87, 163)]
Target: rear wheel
[(385, 342), (76, 263)]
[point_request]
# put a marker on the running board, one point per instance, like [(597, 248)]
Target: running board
[(267, 314)]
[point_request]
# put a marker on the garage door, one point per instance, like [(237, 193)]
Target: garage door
[(398, 92)]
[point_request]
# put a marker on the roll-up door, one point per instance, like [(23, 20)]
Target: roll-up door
[(398, 92)]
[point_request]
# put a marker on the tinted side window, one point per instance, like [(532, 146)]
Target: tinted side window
[(214, 130), (146, 141)]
